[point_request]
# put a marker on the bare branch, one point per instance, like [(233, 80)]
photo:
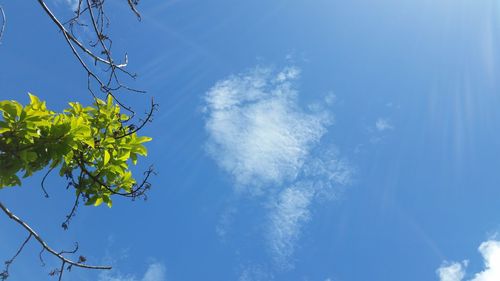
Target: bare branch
[(61, 271), (97, 23), (69, 39), (46, 194), (46, 246), (42, 262), (72, 251), (132, 5), (4, 22), (5, 274), (70, 36), (65, 224)]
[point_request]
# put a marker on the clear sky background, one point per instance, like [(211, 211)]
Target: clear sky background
[(321, 140)]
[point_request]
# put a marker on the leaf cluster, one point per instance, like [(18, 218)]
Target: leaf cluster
[(91, 146)]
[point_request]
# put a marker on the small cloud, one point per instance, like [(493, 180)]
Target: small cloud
[(452, 271), (330, 98), (383, 124), (289, 73), (155, 272), (490, 251)]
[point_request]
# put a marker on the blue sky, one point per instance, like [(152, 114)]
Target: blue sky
[(296, 140)]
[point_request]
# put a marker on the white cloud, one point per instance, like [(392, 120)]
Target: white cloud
[(155, 272), (490, 250), (327, 169), (258, 133), (287, 216), (383, 124), (451, 272)]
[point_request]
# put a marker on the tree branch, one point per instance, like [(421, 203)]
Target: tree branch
[(42, 242), (4, 22), (100, 38), (61, 271), (72, 38), (5, 274), (132, 6)]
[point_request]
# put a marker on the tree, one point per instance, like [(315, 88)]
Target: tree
[(92, 146)]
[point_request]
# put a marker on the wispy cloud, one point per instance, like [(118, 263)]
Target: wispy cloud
[(271, 146), (490, 250), (287, 216), (383, 124), (155, 272), (255, 273)]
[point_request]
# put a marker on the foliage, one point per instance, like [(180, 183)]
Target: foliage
[(92, 147)]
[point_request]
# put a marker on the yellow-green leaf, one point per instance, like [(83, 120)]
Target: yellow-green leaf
[(106, 157), (98, 201)]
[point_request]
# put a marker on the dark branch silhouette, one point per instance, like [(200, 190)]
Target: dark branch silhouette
[(94, 10), (46, 247), (5, 274)]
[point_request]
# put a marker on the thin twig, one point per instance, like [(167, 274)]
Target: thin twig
[(45, 245), (132, 6), (99, 34), (65, 224), (4, 22), (148, 119), (61, 271), (46, 194), (42, 262), (98, 22), (139, 189), (70, 37), (5, 274)]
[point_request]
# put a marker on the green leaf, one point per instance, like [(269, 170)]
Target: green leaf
[(143, 139), (28, 156), (34, 100), (106, 157), (133, 156), (98, 201), (12, 108)]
